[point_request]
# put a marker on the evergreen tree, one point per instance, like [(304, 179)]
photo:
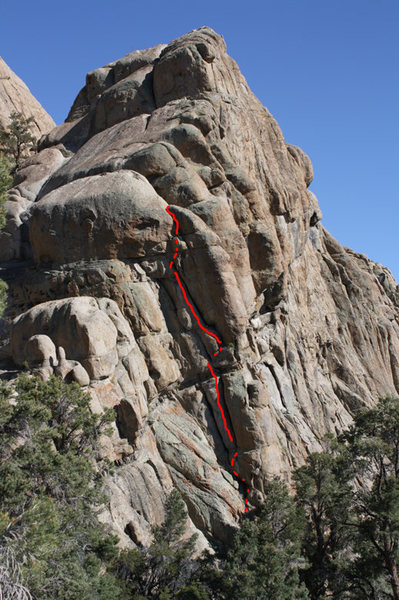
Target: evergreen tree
[(264, 559), (324, 492), (164, 570), (344, 517), (350, 495), (5, 184), (17, 141), (50, 492), (373, 444)]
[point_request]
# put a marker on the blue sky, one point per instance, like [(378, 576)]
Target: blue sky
[(326, 69)]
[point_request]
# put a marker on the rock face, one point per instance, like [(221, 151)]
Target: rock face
[(309, 329), (16, 97)]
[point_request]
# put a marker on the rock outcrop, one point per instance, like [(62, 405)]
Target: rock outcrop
[(309, 329), (16, 97)]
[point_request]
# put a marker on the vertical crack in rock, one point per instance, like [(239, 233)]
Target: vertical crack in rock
[(309, 329)]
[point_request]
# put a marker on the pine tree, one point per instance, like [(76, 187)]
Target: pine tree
[(373, 444), (5, 184), (17, 141), (164, 570), (324, 492), (50, 491), (350, 495), (264, 560)]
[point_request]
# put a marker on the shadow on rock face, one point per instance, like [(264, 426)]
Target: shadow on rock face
[(308, 328), (115, 215)]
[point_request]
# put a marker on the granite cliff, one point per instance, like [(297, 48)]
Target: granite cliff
[(16, 97), (309, 329)]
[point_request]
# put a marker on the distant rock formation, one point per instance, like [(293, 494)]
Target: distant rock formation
[(309, 328), (16, 97)]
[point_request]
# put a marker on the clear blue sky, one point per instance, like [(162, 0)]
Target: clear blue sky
[(326, 69)]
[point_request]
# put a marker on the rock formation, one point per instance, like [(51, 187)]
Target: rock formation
[(309, 329), (16, 97)]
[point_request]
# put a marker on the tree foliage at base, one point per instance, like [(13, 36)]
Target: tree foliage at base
[(350, 495), (50, 492), (336, 538), (164, 570), (373, 445), (264, 559), (324, 492)]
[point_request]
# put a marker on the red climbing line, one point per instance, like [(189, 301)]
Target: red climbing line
[(182, 288), (220, 406), (235, 473), (174, 218), (193, 311)]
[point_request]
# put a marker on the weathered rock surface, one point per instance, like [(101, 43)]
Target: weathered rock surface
[(16, 97), (309, 329)]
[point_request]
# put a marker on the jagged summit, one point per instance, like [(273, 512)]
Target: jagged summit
[(309, 329)]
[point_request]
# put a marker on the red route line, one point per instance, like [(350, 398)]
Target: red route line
[(174, 218), (193, 311), (220, 408), (215, 354)]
